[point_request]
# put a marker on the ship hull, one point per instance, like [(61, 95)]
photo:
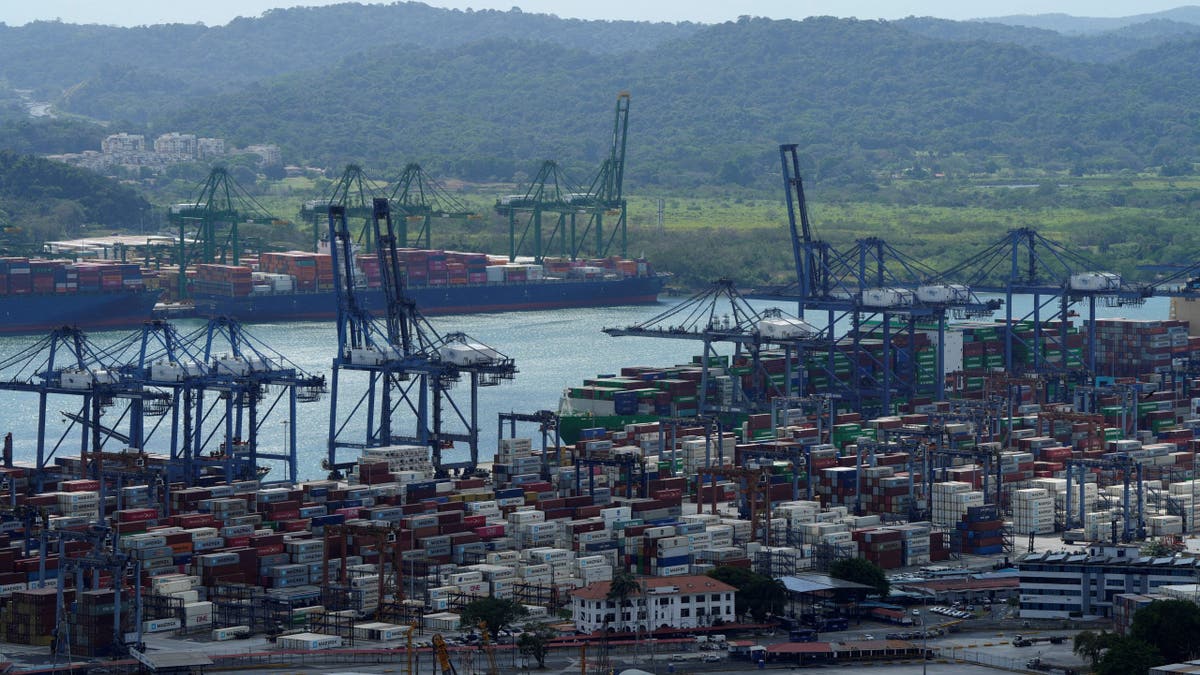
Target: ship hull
[(433, 300), (40, 313)]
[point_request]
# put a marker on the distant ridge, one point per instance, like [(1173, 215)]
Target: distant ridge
[(1083, 25)]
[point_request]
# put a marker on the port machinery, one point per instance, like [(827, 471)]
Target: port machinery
[(204, 398), (415, 196), (408, 366), (208, 223), (551, 191), (719, 315)]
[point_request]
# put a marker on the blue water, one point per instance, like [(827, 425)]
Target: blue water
[(553, 350)]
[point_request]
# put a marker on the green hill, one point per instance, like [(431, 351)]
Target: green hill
[(41, 199), (864, 98)]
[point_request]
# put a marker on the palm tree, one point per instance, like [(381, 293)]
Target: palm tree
[(624, 584)]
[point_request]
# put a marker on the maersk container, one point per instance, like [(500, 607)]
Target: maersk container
[(230, 633), (160, 625)]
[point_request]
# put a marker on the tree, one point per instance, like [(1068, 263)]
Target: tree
[(494, 612), (862, 571), (1128, 655), (1090, 644), (758, 594), (534, 642), (1171, 626), (623, 585), (1157, 548)]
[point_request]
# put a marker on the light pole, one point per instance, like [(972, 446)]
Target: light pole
[(924, 643)]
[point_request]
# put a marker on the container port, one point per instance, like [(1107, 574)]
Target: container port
[(915, 432)]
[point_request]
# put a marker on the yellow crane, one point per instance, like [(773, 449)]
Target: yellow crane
[(486, 643), (408, 637), (443, 655)]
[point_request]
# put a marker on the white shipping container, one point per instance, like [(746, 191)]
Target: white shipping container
[(160, 625), (230, 633), (309, 641)]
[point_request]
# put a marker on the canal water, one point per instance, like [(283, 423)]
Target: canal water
[(553, 350)]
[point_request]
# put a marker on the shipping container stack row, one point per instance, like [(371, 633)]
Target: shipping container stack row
[(1131, 347), (225, 280), (1033, 511), (595, 267), (310, 271), (25, 276), (983, 346), (980, 531), (912, 361)]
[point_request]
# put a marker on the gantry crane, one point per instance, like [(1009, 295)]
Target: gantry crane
[(354, 191), (754, 495), (388, 545), (547, 422), (102, 556), (605, 195), (404, 360), (551, 191), (1056, 277), (67, 364), (1130, 471), (721, 315), (417, 198), (873, 288), (212, 218), (217, 388)]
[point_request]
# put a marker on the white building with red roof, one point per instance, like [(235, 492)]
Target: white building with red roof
[(674, 602)]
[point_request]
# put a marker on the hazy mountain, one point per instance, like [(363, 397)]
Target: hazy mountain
[(1065, 23)]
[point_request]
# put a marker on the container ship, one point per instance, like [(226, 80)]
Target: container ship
[(298, 285), (41, 295)]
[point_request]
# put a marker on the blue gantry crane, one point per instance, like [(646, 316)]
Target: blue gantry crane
[(1023, 262), (404, 361), (876, 294), (720, 315)]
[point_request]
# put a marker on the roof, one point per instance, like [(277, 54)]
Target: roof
[(1189, 667), (800, 648), (815, 583), (171, 660), (1002, 583), (688, 585), (874, 646)]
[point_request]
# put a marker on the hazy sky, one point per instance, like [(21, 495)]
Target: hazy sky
[(217, 12)]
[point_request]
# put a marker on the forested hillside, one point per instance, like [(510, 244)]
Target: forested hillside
[(134, 73), (485, 96), (41, 199), (864, 98)]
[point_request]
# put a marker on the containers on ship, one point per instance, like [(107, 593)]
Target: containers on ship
[(231, 280)]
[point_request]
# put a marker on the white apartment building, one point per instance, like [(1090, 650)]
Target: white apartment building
[(176, 144), (123, 142), (674, 602), (1084, 584)]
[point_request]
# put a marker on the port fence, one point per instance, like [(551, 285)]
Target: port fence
[(982, 658)]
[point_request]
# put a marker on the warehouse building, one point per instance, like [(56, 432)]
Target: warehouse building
[(1085, 584)]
